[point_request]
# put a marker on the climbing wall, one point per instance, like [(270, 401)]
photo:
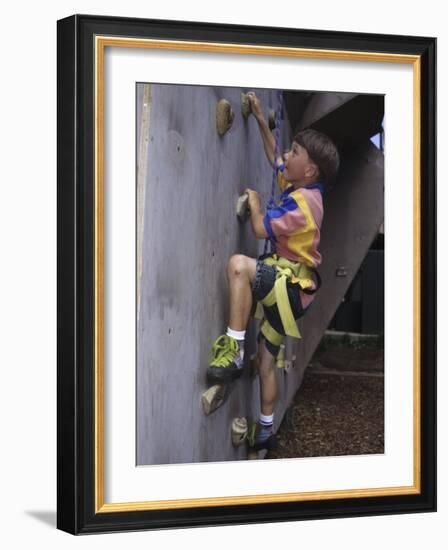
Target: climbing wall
[(192, 180), (188, 182)]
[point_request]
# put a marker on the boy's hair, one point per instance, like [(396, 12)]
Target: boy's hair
[(322, 152)]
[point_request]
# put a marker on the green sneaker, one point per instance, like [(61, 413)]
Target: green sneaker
[(226, 364)]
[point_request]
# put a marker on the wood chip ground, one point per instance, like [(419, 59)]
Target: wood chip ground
[(334, 412)]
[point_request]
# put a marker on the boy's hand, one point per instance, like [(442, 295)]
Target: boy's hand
[(254, 201), (255, 105), (266, 134), (256, 215)]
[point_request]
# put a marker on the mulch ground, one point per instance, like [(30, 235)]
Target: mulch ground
[(333, 415)]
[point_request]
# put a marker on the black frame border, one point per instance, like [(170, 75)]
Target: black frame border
[(75, 274)]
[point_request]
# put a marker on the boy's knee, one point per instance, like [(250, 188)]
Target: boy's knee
[(237, 265)]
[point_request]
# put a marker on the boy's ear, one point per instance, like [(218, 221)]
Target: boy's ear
[(312, 170)]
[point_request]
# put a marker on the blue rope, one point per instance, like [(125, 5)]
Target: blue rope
[(271, 203)]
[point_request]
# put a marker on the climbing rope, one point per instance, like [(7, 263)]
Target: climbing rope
[(271, 203)]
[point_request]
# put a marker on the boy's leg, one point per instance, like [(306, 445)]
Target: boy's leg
[(268, 380), (240, 274), (228, 350), (263, 435)]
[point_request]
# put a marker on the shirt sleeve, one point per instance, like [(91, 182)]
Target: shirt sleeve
[(284, 219)]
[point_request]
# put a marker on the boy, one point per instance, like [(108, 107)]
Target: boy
[(284, 282)]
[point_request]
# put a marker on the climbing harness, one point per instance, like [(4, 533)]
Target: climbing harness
[(294, 272)]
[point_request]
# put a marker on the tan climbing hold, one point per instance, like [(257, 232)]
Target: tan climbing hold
[(213, 398), (245, 105), (242, 207), (271, 119), (239, 431), (224, 116)]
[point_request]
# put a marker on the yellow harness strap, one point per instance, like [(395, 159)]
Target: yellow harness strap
[(270, 333), (286, 270), (296, 271)]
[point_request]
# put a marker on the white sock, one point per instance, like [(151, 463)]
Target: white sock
[(267, 418), (239, 336)]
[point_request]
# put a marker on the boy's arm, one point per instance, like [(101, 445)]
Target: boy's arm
[(256, 215), (266, 134)]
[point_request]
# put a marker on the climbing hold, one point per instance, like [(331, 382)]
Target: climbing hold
[(239, 431), (271, 119), (342, 271), (242, 207), (214, 397), (224, 116), (245, 105), (289, 364)]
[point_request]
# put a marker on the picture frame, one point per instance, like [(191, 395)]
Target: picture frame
[(82, 41)]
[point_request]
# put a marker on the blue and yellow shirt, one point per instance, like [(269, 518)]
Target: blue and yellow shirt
[(294, 223)]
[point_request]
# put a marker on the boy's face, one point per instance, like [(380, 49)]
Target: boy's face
[(298, 165)]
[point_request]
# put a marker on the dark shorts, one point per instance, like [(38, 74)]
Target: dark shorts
[(263, 283)]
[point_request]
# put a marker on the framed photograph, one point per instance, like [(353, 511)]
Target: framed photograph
[(246, 274)]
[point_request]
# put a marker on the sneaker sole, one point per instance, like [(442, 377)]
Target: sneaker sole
[(270, 444), (227, 376)]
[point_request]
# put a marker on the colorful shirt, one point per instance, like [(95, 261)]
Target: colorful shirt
[(294, 224)]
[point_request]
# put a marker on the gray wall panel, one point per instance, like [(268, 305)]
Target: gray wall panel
[(194, 178)]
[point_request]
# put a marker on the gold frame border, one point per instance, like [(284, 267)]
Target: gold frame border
[(101, 42)]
